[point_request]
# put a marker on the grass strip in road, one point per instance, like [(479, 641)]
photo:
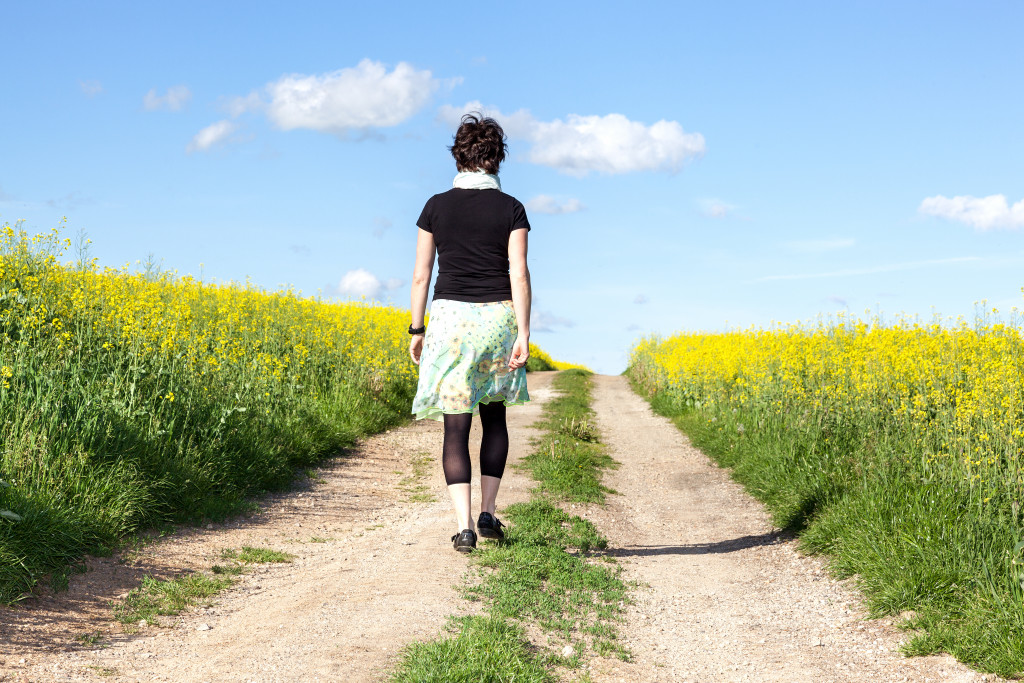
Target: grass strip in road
[(484, 648), (569, 458), (545, 575)]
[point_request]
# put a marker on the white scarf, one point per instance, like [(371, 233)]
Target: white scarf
[(476, 180)]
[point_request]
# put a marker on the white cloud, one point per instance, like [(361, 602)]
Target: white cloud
[(213, 134), (90, 88), (175, 99), (821, 245), (612, 144), (607, 144), (715, 208), (981, 213), (360, 283), (238, 105), (543, 203), (360, 97)]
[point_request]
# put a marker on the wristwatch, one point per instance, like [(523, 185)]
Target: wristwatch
[(417, 330)]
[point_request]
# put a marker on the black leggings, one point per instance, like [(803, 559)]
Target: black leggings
[(493, 446)]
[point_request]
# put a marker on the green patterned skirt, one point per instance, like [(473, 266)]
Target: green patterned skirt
[(465, 359)]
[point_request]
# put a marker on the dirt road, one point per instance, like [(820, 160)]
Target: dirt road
[(729, 598), (726, 598)]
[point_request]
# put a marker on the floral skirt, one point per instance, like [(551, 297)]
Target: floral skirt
[(465, 359)]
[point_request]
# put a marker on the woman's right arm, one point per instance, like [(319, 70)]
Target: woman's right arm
[(522, 295), (420, 287)]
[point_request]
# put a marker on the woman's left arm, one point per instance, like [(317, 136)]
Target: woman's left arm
[(420, 287)]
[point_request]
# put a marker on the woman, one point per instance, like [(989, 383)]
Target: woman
[(472, 358)]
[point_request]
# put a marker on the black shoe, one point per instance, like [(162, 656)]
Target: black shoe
[(465, 541), (490, 526)]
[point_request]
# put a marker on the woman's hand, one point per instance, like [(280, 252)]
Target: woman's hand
[(416, 348), (520, 353)]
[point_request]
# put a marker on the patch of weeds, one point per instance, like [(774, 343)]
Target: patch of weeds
[(313, 475), (413, 483), (251, 555), (227, 570), (94, 638), (103, 671), (167, 598), (318, 539), (484, 648)]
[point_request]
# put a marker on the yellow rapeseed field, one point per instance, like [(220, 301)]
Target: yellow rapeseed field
[(956, 390)]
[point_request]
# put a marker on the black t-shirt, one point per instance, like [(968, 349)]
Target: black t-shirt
[(471, 230)]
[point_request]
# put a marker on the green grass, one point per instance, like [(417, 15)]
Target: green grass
[(484, 649), (547, 574), (251, 555), (915, 541), (167, 598), (568, 459), (544, 573)]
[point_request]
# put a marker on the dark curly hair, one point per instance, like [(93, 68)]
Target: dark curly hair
[(479, 144)]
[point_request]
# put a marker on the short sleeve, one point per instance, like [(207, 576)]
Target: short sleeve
[(426, 219), (519, 219)]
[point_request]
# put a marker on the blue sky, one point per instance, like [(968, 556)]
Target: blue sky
[(686, 167)]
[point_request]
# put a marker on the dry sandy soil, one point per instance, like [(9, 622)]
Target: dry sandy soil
[(723, 597)]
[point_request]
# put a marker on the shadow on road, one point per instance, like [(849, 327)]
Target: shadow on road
[(727, 546)]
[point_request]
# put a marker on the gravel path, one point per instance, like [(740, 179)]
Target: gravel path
[(729, 599), (725, 597)]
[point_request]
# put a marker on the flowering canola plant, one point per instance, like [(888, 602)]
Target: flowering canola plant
[(952, 395)]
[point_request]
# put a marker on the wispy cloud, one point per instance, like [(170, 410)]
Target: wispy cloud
[(380, 226), (837, 300), (545, 321), (300, 249), (543, 203), (174, 99), (640, 299), (90, 88), (821, 245), (716, 208), (609, 144), (981, 213), (911, 265), (69, 202), (212, 135)]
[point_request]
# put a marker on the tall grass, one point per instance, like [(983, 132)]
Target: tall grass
[(896, 449), (132, 399)]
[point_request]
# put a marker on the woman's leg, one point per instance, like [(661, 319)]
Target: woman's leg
[(457, 468), (493, 453)]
